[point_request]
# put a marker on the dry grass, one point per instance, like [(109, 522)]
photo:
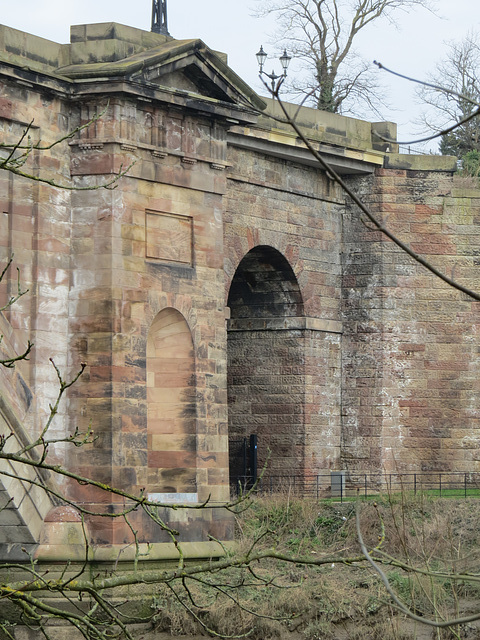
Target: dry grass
[(336, 601)]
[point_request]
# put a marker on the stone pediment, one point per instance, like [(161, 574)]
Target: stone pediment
[(183, 65)]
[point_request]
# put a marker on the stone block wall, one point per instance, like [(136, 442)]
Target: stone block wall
[(35, 229), (152, 246), (225, 288), (410, 398), (283, 341), (266, 393), (100, 266), (323, 398)]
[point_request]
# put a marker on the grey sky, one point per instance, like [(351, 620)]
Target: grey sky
[(227, 25)]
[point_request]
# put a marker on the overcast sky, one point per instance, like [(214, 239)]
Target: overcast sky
[(228, 25)]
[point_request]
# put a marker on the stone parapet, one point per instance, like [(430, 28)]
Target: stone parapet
[(413, 162)]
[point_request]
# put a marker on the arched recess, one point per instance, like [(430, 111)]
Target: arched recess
[(171, 407), (266, 372)]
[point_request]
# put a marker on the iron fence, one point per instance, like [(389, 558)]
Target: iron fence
[(348, 485)]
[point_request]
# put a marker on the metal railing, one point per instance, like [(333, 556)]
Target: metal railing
[(352, 484), (412, 150)]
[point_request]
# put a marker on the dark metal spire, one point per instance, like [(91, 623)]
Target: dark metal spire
[(159, 17)]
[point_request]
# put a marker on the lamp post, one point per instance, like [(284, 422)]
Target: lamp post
[(276, 80)]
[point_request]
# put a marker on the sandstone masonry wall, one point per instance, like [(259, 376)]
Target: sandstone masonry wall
[(224, 287), (154, 243), (285, 384), (410, 374)]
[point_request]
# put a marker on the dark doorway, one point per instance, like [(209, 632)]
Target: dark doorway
[(266, 372), (242, 454)]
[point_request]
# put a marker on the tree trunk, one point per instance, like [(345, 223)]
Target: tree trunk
[(326, 83)]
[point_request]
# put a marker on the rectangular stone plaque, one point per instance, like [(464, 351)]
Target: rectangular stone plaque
[(169, 237)]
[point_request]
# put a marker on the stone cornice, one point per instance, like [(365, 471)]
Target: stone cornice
[(292, 323), (121, 553), (285, 146)]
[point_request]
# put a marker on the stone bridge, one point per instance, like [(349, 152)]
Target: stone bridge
[(226, 286)]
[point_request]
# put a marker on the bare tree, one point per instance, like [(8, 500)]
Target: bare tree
[(454, 97), (322, 34)]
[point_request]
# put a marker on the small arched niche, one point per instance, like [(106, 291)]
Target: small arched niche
[(171, 407)]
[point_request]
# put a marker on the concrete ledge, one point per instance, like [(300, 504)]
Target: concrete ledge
[(331, 128), (126, 553), (174, 498), (413, 162), (25, 49)]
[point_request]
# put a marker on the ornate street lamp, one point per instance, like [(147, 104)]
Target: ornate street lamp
[(276, 80)]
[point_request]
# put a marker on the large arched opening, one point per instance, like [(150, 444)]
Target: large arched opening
[(266, 373)]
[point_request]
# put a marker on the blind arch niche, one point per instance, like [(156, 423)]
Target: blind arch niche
[(171, 409)]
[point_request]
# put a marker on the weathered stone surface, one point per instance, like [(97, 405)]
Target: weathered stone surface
[(414, 349), (224, 287)]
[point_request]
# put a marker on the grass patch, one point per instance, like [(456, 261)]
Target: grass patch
[(458, 492), (281, 599)]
